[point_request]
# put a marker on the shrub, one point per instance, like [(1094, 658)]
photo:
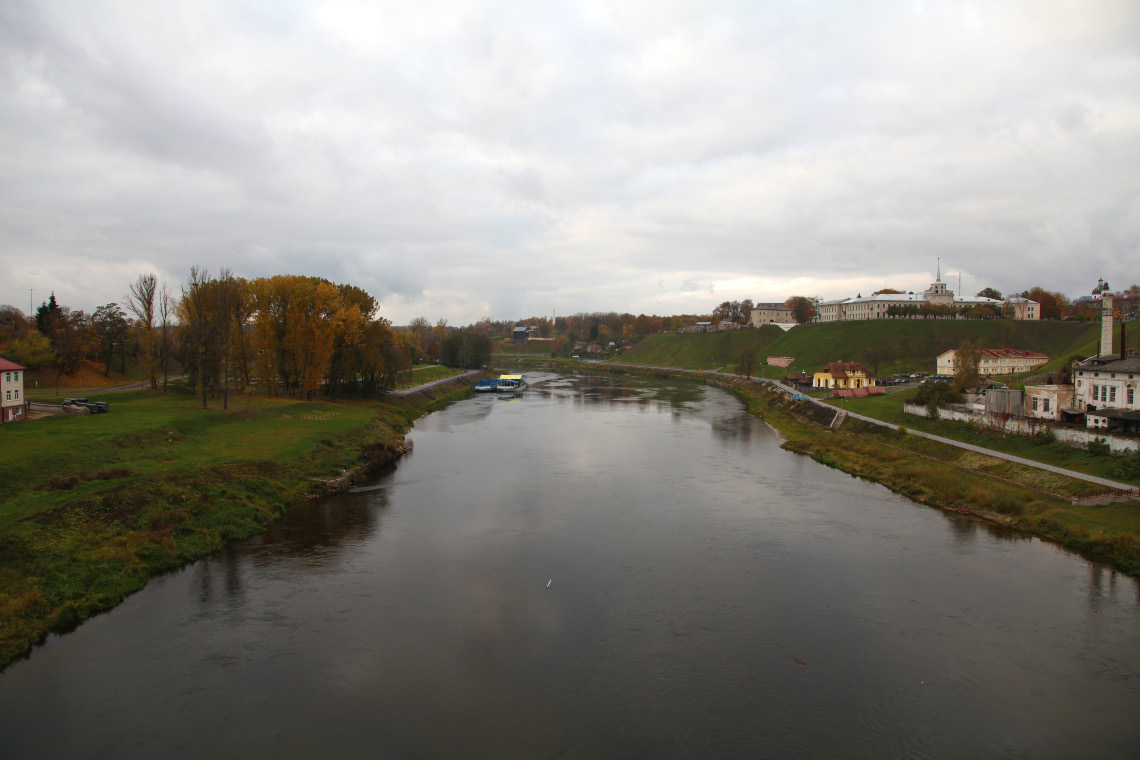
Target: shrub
[(1099, 447)]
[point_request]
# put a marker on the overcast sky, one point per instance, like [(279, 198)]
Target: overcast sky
[(508, 159)]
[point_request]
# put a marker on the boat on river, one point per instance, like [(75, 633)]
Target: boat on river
[(486, 385), (510, 383)]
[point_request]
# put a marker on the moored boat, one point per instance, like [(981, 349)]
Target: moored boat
[(485, 385), (510, 383)]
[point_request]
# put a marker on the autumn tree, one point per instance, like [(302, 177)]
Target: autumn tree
[(420, 328), (198, 329), (32, 350), (966, 374), (465, 349), (109, 325), (887, 291), (803, 309), (73, 339), (141, 302), (1053, 305)]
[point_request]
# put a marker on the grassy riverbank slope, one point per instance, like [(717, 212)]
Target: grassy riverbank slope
[(93, 506), (916, 344)]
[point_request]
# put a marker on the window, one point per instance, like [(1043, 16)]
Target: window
[(1045, 405), (1131, 396), (9, 396), (1035, 403), (17, 394), (1112, 394)]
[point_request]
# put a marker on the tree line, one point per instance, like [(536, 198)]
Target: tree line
[(285, 335)]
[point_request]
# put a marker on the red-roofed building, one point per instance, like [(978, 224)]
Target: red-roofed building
[(995, 361), (13, 405), (843, 375)]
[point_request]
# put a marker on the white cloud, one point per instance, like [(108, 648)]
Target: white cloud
[(466, 160)]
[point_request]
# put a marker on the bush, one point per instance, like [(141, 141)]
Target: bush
[(1099, 447)]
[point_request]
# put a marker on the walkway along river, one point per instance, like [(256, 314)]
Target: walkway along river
[(602, 567)]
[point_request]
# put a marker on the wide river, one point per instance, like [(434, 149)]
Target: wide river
[(601, 568)]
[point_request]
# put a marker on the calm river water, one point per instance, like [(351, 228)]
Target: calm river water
[(710, 595)]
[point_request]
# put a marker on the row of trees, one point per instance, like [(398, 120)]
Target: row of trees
[(288, 335)]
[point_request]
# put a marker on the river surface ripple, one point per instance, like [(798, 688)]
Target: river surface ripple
[(710, 595)]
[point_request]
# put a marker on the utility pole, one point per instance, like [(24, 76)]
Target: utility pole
[(29, 303)]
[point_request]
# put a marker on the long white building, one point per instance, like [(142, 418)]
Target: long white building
[(910, 305)]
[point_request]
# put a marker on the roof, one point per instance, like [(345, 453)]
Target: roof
[(867, 390), (1112, 363), (1019, 299), (1003, 353), (7, 365), (1115, 414), (845, 369)]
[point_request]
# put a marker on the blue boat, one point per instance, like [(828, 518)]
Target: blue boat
[(486, 386)]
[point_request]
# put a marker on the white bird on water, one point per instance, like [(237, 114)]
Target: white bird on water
[(549, 582)]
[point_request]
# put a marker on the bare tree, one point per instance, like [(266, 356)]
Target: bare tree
[(420, 328), (165, 310), (194, 316), (745, 360), (140, 302)]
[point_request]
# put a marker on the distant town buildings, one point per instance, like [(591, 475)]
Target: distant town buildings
[(936, 300), (994, 361)]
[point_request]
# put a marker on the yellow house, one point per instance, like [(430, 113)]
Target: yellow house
[(843, 375)]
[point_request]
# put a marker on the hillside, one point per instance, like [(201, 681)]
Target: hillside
[(915, 343)]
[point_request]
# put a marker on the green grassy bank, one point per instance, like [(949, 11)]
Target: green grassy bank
[(92, 506), (916, 344)]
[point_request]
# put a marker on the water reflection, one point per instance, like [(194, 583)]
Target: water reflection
[(711, 595)]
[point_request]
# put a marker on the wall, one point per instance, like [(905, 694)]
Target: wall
[(1072, 436)]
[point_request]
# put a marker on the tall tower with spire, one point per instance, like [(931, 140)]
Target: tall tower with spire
[(937, 294)]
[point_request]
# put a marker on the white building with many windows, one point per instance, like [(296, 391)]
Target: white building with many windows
[(1108, 382)]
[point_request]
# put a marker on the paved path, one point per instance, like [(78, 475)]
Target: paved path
[(948, 441), (432, 384), (72, 392)]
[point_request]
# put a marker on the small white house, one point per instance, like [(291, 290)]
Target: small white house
[(12, 400), (1044, 402)]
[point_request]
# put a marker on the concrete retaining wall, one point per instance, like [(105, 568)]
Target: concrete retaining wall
[(1025, 426)]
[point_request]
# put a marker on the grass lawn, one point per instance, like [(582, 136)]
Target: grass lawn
[(91, 506), (426, 373), (146, 435)]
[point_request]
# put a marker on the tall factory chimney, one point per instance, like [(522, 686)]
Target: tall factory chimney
[(1106, 323)]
